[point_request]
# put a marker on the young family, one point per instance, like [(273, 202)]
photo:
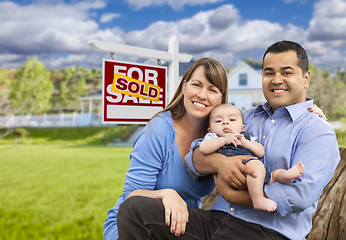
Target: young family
[(268, 188)]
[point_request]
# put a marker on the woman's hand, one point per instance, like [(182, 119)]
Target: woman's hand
[(317, 110), (176, 213)]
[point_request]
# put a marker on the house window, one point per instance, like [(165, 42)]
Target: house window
[(243, 79)]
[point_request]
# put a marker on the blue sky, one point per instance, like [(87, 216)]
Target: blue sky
[(227, 30)]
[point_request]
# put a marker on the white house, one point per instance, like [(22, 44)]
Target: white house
[(245, 86)]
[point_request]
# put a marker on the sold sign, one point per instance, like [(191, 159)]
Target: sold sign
[(133, 87), (132, 92)]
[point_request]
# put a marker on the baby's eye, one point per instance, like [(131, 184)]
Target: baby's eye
[(232, 119), (218, 121)]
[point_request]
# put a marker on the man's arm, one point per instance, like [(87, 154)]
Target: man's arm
[(318, 150), (230, 194), (230, 168)]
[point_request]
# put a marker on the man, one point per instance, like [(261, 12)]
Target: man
[(289, 134)]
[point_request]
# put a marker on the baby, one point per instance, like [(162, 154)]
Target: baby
[(227, 136)]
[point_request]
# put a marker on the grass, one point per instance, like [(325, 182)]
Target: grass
[(341, 137), (68, 135), (62, 184), (58, 192)]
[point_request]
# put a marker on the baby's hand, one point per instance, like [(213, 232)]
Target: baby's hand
[(232, 138), (241, 138)]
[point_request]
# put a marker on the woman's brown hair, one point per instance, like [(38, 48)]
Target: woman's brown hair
[(216, 74)]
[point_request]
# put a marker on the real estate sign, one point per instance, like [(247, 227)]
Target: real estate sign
[(132, 93)]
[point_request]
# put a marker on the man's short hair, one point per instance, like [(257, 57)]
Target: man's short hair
[(284, 46)]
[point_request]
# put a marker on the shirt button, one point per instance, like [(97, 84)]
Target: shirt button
[(264, 137), (232, 209), (272, 120)]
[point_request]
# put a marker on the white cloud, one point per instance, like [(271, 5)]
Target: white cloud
[(107, 17), (290, 1), (326, 41), (35, 29), (47, 30), (301, 2), (11, 60), (91, 4), (176, 4), (220, 32), (67, 61), (329, 20), (223, 33)]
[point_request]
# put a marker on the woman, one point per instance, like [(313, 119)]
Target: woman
[(157, 168)]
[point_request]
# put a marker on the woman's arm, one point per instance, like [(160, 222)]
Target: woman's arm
[(316, 110)]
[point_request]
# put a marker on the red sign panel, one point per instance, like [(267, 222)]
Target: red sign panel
[(132, 93)]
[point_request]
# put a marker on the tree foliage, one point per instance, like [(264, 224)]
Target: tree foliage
[(328, 92), (71, 84), (31, 88)]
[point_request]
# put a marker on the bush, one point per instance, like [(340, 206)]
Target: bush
[(20, 132)]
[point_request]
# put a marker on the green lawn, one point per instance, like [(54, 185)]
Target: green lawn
[(58, 191), (52, 188)]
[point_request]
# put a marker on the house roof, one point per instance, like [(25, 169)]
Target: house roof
[(243, 64)]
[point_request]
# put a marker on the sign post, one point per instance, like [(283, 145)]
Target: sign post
[(125, 98)]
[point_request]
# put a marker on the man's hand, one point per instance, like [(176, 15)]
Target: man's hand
[(233, 171), (231, 195)]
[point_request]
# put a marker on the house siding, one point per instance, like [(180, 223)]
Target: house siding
[(245, 96)]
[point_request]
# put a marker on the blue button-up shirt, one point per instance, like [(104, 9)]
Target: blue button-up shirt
[(290, 135)]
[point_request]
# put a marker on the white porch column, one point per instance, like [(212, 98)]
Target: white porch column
[(90, 106), (82, 107)]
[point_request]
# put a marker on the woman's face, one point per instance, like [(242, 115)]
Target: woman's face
[(200, 96)]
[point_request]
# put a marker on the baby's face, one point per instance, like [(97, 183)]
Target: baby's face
[(226, 119)]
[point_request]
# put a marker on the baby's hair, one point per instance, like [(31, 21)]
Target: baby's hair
[(229, 105)]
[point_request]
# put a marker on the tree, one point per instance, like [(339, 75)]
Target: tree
[(31, 88), (328, 93)]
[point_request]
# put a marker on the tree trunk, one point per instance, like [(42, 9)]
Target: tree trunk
[(328, 222)]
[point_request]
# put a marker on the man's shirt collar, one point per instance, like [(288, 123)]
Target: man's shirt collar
[(294, 111)]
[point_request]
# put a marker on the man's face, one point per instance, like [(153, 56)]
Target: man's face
[(283, 82)]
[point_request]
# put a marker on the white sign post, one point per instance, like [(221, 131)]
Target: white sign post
[(172, 57), (121, 101)]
